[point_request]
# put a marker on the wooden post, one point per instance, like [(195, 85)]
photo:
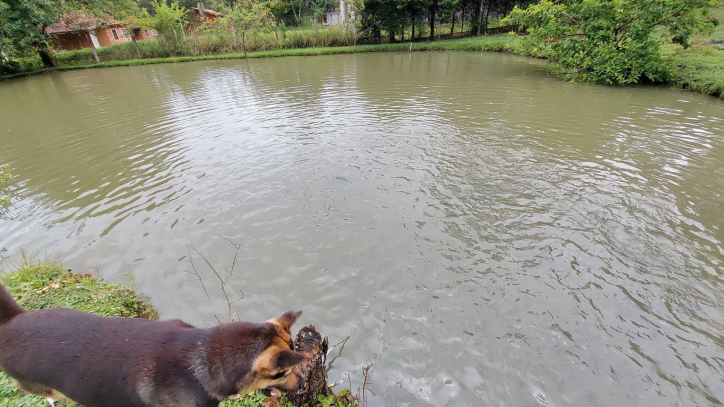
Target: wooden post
[(133, 38), (93, 47)]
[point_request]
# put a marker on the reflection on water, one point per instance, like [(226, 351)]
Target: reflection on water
[(526, 241)]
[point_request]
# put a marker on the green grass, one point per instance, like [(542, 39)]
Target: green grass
[(45, 285), (701, 67)]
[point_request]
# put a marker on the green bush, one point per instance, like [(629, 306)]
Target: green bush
[(9, 68), (610, 41)]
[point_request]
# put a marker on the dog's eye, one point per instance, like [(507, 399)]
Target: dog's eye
[(279, 375)]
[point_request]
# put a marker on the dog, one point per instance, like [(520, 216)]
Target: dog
[(60, 353)]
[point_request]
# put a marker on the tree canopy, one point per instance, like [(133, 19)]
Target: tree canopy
[(247, 15)]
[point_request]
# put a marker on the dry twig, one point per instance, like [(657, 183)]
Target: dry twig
[(223, 280)]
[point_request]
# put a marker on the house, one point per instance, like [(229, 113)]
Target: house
[(340, 16), (201, 14), (82, 32)]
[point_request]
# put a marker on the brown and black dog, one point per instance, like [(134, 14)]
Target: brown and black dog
[(98, 361)]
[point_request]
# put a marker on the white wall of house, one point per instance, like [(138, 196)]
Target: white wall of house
[(94, 39), (333, 18)]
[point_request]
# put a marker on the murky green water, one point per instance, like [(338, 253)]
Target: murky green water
[(527, 241)]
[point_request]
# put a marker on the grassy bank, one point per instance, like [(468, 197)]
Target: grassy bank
[(496, 43), (43, 285), (699, 68)]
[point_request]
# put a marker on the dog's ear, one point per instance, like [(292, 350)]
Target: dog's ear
[(287, 320), (286, 359)]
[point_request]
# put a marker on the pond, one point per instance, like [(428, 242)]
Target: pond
[(512, 239)]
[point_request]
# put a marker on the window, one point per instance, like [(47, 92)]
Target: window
[(115, 35), (154, 32), (147, 34), (125, 33)]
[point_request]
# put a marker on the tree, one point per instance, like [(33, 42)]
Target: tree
[(24, 22), (448, 9), (166, 19), (610, 41), (433, 12), (246, 16)]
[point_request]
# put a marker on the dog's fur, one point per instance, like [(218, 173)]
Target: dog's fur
[(99, 361)]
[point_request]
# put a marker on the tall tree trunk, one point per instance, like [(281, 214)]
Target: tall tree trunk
[(452, 25), (462, 22), (46, 57), (412, 38), (433, 11), (480, 16), (93, 47), (487, 16)]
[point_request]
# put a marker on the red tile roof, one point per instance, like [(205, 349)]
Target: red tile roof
[(71, 24), (210, 11)]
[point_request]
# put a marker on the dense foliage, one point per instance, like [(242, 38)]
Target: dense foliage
[(611, 41), (167, 18), (422, 18), (23, 22)]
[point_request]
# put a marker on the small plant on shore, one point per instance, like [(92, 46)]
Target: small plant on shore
[(247, 16), (5, 178), (340, 399), (610, 41)]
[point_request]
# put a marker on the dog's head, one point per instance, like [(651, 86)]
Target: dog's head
[(275, 366)]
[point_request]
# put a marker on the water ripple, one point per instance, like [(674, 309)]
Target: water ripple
[(526, 241)]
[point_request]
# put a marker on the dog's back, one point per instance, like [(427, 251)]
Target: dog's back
[(80, 355), (101, 361)]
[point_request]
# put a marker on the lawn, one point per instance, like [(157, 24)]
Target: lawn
[(701, 67)]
